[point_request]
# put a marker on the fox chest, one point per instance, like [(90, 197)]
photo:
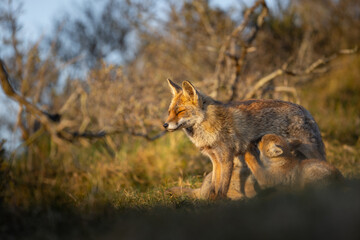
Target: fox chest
[(205, 139), (201, 138)]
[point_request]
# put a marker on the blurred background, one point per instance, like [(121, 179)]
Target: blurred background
[(98, 70)]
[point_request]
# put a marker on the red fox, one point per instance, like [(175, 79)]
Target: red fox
[(274, 164), (223, 131)]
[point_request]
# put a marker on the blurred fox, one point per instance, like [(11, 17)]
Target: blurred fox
[(224, 131), (274, 163)]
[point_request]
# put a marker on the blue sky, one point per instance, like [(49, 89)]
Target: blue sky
[(39, 15)]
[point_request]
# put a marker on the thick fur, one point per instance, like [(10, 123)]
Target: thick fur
[(274, 163), (224, 131)]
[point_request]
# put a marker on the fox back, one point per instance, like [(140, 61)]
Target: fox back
[(319, 173)]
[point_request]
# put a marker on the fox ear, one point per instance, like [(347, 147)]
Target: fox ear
[(190, 91), (175, 89), (274, 150)]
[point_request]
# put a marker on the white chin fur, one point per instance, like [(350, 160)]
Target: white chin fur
[(173, 126)]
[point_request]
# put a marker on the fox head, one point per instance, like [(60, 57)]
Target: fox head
[(186, 107), (273, 146)]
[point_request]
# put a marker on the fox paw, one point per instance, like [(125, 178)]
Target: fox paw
[(216, 196)]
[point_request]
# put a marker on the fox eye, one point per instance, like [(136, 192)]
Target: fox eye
[(180, 111)]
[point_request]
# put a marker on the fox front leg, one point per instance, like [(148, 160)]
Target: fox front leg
[(226, 164), (215, 176), (222, 162)]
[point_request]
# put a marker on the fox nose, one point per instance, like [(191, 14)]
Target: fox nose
[(165, 125)]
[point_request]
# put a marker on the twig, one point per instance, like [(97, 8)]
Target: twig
[(262, 81), (287, 89), (147, 137), (284, 70)]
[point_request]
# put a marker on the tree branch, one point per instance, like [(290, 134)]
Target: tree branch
[(284, 70)]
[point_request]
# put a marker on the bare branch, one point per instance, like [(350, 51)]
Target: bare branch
[(284, 70), (19, 123), (290, 90), (147, 137), (262, 81)]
